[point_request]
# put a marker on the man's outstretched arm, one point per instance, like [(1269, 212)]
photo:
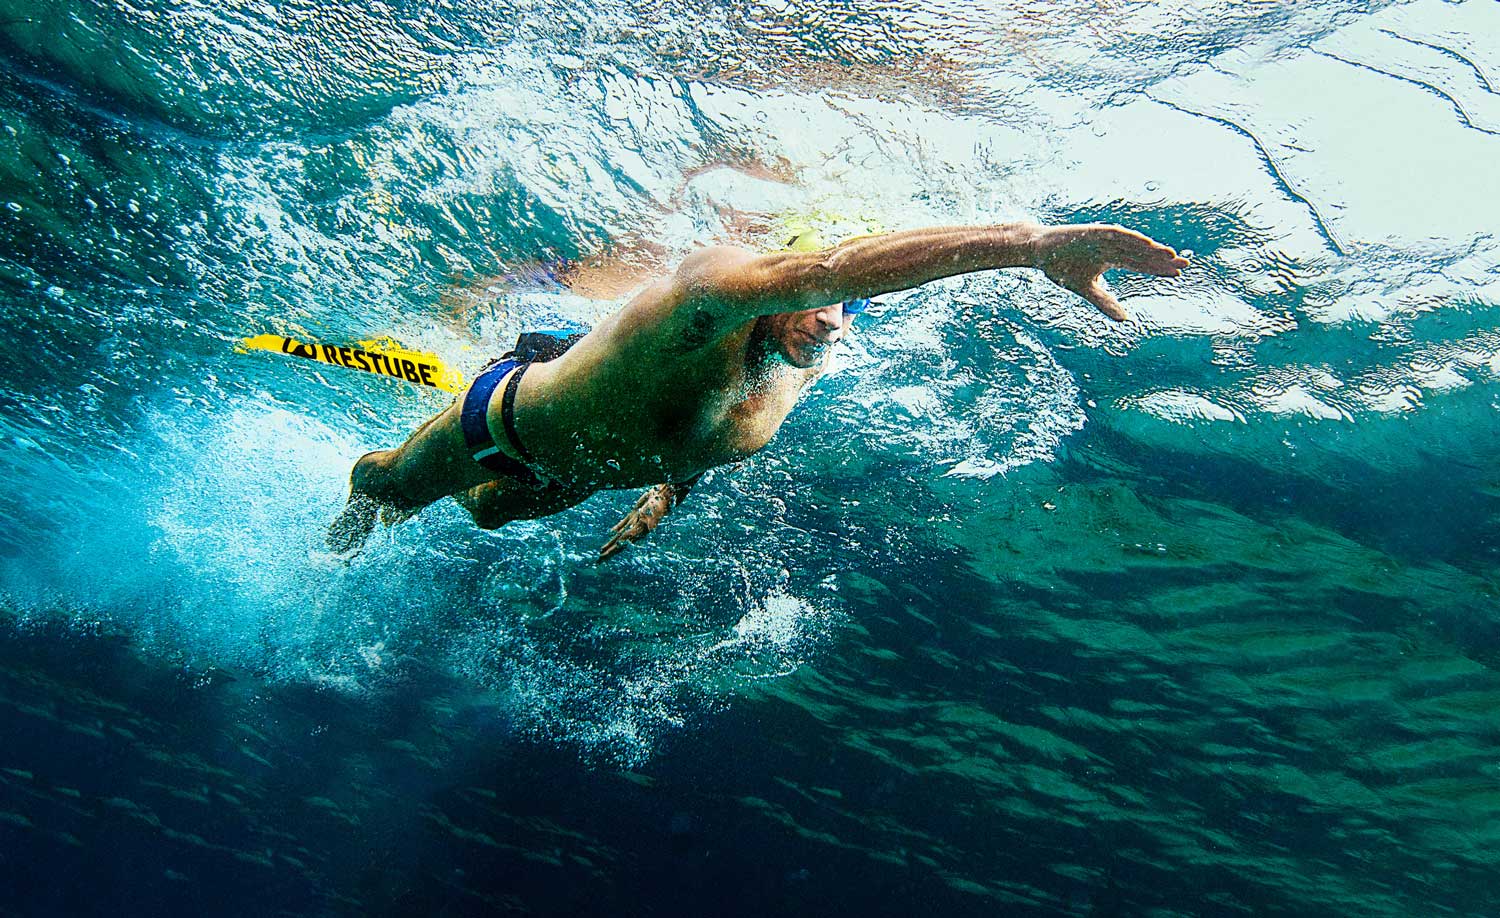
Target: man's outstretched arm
[(734, 285)]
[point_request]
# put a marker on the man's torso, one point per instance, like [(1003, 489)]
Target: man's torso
[(638, 401)]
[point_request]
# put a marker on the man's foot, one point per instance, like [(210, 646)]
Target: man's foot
[(349, 530), (483, 503)]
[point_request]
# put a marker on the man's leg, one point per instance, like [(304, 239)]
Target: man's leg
[(395, 483), (505, 500)]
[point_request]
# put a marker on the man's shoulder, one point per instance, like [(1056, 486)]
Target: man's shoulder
[(682, 314), (700, 264)]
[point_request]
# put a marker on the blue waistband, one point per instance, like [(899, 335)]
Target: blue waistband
[(474, 420)]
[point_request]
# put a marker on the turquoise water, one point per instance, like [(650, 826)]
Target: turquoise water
[(1022, 613)]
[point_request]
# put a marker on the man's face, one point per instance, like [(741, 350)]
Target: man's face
[(803, 338)]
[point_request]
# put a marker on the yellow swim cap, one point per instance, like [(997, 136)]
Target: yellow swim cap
[(810, 231)]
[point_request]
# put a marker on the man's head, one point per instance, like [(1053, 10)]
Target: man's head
[(803, 338)]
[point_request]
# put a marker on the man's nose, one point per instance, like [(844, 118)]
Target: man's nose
[(831, 317)]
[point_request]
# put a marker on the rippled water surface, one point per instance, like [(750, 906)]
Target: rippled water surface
[(1023, 612)]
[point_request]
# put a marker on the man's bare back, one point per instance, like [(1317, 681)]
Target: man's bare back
[(699, 369)]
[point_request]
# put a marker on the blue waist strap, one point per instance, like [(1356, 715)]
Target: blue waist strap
[(475, 421)]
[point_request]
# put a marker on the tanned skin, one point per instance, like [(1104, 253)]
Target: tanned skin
[(702, 368)]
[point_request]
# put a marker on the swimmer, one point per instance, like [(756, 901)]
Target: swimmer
[(698, 370)]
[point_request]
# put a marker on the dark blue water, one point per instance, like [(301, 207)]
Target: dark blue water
[(1022, 613)]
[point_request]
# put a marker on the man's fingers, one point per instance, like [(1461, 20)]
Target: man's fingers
[(647, 507), (1122, 239), (1103, 300), (1140, 253), (1137, 251), (617, 544), (633, 523), (647, 513), (625, 532), (1077, 261), (1163, 262)]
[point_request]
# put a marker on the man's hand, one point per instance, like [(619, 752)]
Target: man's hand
[(1076, 257), (649, 510)]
